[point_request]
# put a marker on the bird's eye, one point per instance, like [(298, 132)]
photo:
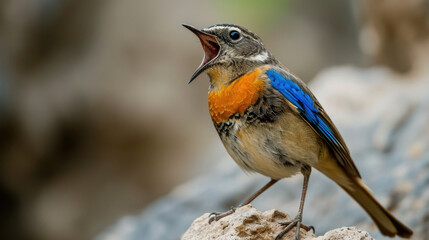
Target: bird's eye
[(234, 35)]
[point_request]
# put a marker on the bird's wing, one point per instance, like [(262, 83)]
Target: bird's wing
[(307, 106)]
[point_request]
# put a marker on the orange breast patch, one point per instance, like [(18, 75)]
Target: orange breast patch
[(236, 97)]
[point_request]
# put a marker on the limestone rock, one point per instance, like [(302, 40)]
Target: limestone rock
[(346, 233), (248, 223)]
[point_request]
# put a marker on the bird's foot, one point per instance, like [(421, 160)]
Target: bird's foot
[(214, 216), (296, 222), (305, 227)]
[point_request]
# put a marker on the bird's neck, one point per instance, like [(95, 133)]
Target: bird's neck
[(221, 75)]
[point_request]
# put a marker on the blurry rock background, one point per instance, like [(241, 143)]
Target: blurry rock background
[(96, 117)]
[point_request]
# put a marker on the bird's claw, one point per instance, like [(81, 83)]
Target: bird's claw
[(305, 227), (215, 216), (294, 223)]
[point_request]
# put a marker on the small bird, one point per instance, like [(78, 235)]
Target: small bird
[(271, 123)]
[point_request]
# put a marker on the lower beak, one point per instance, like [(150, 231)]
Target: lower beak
[(211, 49)]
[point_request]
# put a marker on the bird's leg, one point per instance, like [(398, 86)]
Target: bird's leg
[(214, 216), (297, 221)]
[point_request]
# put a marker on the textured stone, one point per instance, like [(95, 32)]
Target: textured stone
[(346, 233), (248, 223)]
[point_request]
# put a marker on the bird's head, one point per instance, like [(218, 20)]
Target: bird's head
[(229, 52)]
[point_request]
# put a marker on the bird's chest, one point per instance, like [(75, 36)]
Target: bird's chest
[(235, 98), (268, 139)]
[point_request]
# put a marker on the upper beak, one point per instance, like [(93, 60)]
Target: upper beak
[(210, 46)]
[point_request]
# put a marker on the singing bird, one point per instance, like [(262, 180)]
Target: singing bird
[(271, 123)]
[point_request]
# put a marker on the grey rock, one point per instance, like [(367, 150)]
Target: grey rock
[(346, 233), (385, 122)]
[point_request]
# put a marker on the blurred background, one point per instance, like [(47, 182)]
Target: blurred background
[(97, 119)]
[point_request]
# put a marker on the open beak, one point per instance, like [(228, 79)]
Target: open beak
[(210, 46)]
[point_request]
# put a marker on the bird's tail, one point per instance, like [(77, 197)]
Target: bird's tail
[(385, 221)]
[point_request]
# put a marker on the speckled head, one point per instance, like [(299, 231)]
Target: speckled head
[(229, 52)]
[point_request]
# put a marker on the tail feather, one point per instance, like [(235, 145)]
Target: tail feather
[(385, 221)]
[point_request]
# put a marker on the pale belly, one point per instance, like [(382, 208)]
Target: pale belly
[(276, 150)]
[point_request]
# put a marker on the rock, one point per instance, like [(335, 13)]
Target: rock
[(346, 233), (248, 223), (384, 120)]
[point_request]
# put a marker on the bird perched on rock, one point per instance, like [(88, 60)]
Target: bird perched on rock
[(271, 123)]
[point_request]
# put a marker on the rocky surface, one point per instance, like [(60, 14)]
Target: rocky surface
[(384, 119), (346, 233), (248, 223)]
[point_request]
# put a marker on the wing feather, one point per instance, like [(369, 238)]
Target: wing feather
[(307, 106)]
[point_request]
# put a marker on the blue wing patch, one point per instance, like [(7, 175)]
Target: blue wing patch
[(305, 105)]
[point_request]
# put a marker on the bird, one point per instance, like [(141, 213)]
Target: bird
[(271, 123)]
